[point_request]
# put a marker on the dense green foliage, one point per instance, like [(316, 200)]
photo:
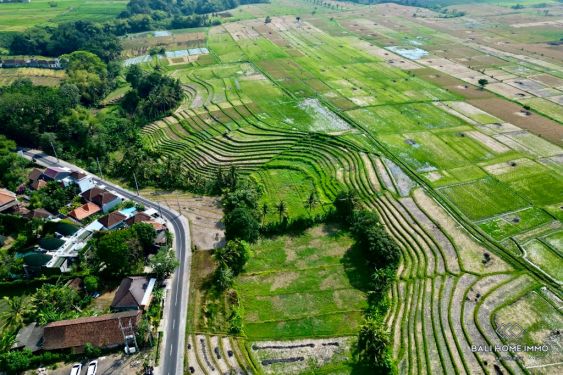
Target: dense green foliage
[(31, 115), (163, 263), (67, 38), (153, 94), (241, 223), (12, 166), (373, 347), (15, 361), (56, 302), (89, 74), (382, 255), (118, 253), (101, 39), (142, 15), (240, 205), (380, 250), (233, 255), (53, 196)]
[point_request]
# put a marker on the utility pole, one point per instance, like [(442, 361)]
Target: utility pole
[(136, 184), (99, 168), (54, 151)]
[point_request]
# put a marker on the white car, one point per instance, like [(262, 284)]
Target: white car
[(76, 369), (92, 368)]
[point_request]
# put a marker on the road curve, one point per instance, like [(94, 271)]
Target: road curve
[(176, 304)]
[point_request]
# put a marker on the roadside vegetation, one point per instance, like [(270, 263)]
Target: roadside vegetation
[(367, 195)]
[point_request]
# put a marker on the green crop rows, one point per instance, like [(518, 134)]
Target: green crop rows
[(302, 112)]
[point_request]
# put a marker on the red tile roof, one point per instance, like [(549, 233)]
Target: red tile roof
[(112, 219), (38, 184), (39, 213), (77, 175), (55, 172), (101, 331), (84, 211), (139, 217), (98, 196), (35, 174), (6, 196)]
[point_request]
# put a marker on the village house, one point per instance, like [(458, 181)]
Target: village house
[(54, 64), (55, 173), (39, 213), (134, 293), (157, 224), (102, 198), (112, 220), (29, 337), (7, 200), (82, 180), (102, 331), (84, 211)]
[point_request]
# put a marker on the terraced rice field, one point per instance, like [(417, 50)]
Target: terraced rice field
[(301, 110)]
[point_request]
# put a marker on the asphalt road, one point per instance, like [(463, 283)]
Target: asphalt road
[(176, 305)]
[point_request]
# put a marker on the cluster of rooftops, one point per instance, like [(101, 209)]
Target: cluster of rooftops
[(134, 293), (96, 199)]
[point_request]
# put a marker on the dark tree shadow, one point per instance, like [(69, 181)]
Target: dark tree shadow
[(356, 268)]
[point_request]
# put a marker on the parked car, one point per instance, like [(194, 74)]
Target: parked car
[(76, 369), (92, 368)]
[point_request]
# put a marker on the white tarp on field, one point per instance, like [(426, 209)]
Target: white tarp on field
[(187, 52), (137, 60), (409, 53), (167, 54), (162, 33)]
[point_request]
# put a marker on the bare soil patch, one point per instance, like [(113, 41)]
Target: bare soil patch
[(549, 80), (536, 124), (204, 213)]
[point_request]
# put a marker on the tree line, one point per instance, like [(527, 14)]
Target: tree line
[(381, 255), (102, 38)]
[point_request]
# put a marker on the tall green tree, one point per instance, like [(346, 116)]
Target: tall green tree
[(345, 204), (17, 309), (117, 253), (241, 224), (234, 255), (373, 347), (88, 73), (12, 166), (145, 234), (311, 202), (281, 207), (164, 262)]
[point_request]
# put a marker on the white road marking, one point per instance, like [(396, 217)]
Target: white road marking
[(171, 348), (173, 323)]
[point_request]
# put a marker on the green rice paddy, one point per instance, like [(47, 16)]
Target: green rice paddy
[(483, 198), (20, 16), (307, 285), (301, 110)]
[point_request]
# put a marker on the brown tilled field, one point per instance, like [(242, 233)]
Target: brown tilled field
[(510, 112)]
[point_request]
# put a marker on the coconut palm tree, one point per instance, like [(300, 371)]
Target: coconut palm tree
[(265, 210), (17, 309), (282, 209), (311, 202)]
